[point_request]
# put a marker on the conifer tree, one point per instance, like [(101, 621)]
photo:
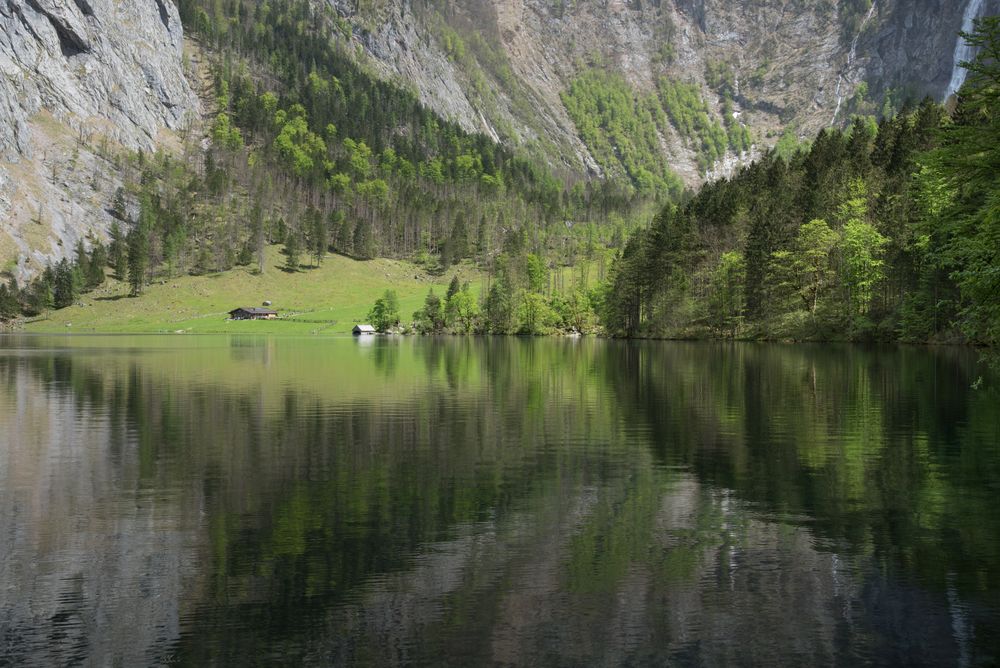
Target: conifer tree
[(9, 305), (95, 265), (64, 289), (292, 251), (138, 259), (118, 252)]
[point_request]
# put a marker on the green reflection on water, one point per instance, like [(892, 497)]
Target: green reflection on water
[(511, 500)]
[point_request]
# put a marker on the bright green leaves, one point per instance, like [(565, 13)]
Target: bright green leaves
[(538, 274), (622, 129), (862, 248), (626, 129), (725, 302), (461, 309), (833, 276), (814, 243), (385, 313), (300, 148), (690, 115), (959, 190), (376, 191), (359, 157), (225, 134)]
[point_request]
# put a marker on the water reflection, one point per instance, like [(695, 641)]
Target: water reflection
[(473, 501)]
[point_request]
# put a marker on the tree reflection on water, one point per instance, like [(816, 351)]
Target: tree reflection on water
[(495, 500)]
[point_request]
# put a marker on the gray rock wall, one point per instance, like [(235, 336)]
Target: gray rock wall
[(75, 75), (795, 64)]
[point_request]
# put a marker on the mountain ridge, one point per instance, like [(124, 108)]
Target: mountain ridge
[(798, 65), (706, 85)]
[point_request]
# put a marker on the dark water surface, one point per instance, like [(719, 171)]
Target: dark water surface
[(234, 500)]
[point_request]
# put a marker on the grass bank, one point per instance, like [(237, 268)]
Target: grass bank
[(329, 299)]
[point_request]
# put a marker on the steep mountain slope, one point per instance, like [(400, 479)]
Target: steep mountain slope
[(503, 66), (663, 93), (79, 80)]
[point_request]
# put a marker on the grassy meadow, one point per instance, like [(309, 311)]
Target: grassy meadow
[(328, 299)]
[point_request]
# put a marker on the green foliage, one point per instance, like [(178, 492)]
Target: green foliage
[(296, 144), (538, 274), (862, 249), (959, 189), (725, 301), (318, 235), (118, 252), (139, 249), (691, 116), (66, 286), (39, 295), (299, 115), (788, 144), (91, 268), (910, 250), (385, 312), (225, 134), (453, 287), (431, 318), (689, 113), (293, 251), (535, 315), (461, 310), (500, 307), (813, 265), (622, 130), (720, 76), (10, 306)]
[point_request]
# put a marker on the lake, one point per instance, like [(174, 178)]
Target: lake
[(475, 501)]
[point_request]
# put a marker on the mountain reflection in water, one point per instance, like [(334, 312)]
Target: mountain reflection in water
[(469, 501)]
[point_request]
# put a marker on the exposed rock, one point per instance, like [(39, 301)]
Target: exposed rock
[(80, 76), (75, 76), (793, 64)]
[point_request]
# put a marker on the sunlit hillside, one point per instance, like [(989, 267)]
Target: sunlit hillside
[(328, 299)]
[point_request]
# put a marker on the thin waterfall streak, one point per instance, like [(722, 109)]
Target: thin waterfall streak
[(963, 51), (851, 56)]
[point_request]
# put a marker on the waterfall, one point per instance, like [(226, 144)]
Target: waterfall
[(852, 54), (962, 50)]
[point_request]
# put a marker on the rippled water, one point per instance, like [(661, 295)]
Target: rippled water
[(208, 500)]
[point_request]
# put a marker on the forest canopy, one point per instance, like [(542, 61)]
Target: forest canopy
[(887, 230)]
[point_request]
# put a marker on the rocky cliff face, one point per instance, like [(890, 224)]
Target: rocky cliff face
[(805, 64), (79, 79)]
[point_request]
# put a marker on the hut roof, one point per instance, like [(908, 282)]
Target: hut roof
[(255, 310)]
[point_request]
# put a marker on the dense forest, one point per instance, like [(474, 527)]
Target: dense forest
[(887, 230), (884, 231), (309, 150)]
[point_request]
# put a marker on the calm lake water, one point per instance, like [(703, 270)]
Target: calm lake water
[(235, 500)]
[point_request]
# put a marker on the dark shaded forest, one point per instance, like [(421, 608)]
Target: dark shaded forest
[(888, 230)]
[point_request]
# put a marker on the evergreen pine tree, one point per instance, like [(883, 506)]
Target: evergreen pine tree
[(9, 305), (64, 289), (95, 266), (138, 259), (118, 252), (292, 251)]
